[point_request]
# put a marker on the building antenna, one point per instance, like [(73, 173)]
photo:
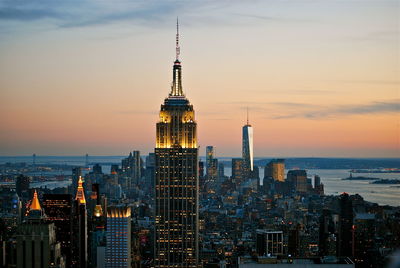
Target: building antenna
[(178, 49), (247, 109)]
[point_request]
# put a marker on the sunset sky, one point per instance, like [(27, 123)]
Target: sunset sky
[(320, 77)]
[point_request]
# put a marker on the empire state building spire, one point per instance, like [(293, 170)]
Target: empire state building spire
[(176, 88)]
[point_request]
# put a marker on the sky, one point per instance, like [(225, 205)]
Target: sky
[(320, 77)]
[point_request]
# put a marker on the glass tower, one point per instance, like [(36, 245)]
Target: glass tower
[(247, 148), (176, 179)]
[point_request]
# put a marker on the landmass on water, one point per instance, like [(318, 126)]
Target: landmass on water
[(386, 181), (360, 178)]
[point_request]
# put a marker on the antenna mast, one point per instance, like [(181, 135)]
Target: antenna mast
[(247, 109), (178, 49)]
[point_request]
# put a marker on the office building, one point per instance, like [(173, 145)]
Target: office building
[(275, 169), (150, 170), (270, 243), (58, 210), (247, 149), (201, 169), (345, 238), (80, 255), (238, 170), (118, 234), (131, 166), (76, 173), (36, 240), (209, 156), (176, 217), (22, 185), (221, 170), (298, 180)]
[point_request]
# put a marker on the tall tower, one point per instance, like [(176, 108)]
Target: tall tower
[(80, 227), (247, 147), (176, 218)]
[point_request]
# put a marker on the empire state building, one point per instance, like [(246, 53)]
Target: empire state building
[(176, 217)]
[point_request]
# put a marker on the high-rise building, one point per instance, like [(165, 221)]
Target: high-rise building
[(131, 166), (36, 240), (275, 169), (201, 169), (80, 228), (58, 210), (327, 234), (221, 170), (209, 156), (237, 170), (150, 170), (298, 179), (212, 171), (269, 242), (177, 187), (97, 169), (318, 186), (22, 185), (247, 149), (97, 233), (211, 165), (118, 248), (76, 173), (345, 238), (364, 233)]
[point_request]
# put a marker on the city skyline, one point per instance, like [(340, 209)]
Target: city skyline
[(71, 87)]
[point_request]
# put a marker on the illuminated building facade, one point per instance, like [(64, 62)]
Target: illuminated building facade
[(275, 169), (209, 159), (118, 249), (237, 170), (176, 218)]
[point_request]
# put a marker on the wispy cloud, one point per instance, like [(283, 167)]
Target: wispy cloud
[(23, 14), (68, 14), (288, 110), (142, 14), (344, 110)]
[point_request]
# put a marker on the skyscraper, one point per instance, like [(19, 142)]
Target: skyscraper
[(58, 209), (118, 249), (346, 216), (275, 169), (237, 170), (36, 240), (80, 227), (247, 148), (131, 166), (22, 185), (209, 157), (176, 217), (298, 180)]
